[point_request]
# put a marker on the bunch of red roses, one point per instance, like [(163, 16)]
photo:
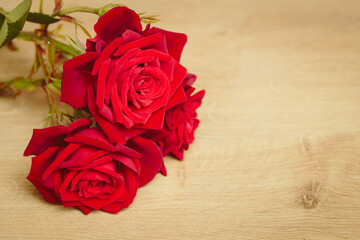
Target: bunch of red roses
[(142, 107)]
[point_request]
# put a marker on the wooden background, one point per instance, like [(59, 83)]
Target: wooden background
[(277, 153)]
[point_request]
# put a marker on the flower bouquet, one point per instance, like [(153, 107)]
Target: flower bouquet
[(119, 103)]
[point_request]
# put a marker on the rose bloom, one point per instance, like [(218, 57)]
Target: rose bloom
[(180, 123), (79, 167), (128, 77)]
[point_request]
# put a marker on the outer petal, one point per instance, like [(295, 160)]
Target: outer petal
[(76, 78), (175, 41), (52, 136), (80, 124), (113, 207), (151, 160), (189, 80), (114, 23), (38, 166), (44, 138), (85, 209)]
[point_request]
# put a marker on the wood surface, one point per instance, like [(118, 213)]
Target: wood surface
[(277, 153)]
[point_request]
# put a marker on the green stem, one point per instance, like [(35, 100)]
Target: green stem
[(75, 9), (41, 6), (42, 62)]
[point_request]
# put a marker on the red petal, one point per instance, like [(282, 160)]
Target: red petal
[(141, 43), (99, 204), (80, 124), (155, 121), (113, 208), (189, 80), (105, 54), (60, 158), (163, 169), (178, 97), (101, 82), (126, 161), (151, 160), (114, 23), (76, 78), (67, 180), (116, 134), (92, 137), (71, 204), (44, 138), (58, 178), (178, 77), (85, 209), (175, 42), (127, 151), (38, 166)]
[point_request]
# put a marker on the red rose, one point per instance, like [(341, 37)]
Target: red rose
[(129, 77), (78, 166), (180, 123)]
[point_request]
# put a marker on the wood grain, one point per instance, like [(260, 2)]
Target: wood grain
[(277, 153)]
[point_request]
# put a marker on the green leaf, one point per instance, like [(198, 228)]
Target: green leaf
[(3, 30), (20, 12), (22, 83), (31, 88), (66, 48), (56, 82), (14, 22), (41, 18), (78, 46)]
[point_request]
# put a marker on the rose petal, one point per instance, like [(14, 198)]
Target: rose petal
[(105, 54), (115, 22), (67, 180), (126, 161), (76, 78), (118, 68), (93, 164), (127, 151), (85, 209), (115, 134), (113, 207), (141, 43), (92, 137), (151, 160), (175, 42), (38, 166), (60, 157), (155, 121), (179, 75), (177, 98), (80, 124), (99, 204), (101, 81), (45, 138), (189, 80)]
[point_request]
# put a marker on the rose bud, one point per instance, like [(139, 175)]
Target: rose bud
[(79, 167), (128, 77)]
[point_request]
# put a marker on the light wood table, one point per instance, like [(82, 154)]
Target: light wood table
[(277, 153)]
